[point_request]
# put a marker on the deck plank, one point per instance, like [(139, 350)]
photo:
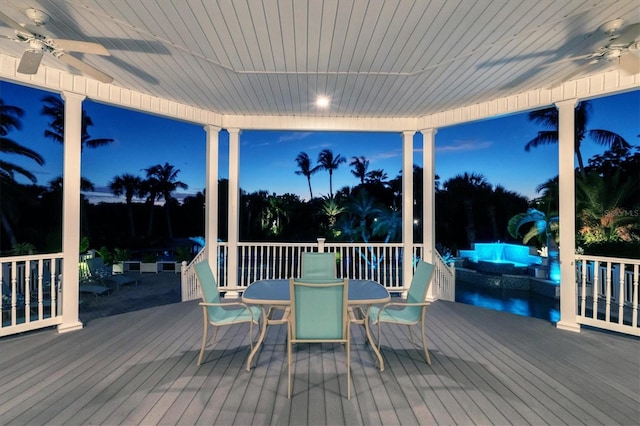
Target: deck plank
[(487, 367)]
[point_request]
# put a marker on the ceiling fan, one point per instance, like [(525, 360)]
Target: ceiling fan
[(620, 47), (40, 43)]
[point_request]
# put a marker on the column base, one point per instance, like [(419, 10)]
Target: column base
[(567, 326), (67, 327), (232, 295)]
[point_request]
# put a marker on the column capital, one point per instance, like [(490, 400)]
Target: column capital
[(569, 103), (430, 131), (211, 128), (72, 95), (408, 133)]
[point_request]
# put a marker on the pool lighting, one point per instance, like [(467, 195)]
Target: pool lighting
[(322, 102)]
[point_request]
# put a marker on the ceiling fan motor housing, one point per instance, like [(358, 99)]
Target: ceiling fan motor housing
[(38, 17)]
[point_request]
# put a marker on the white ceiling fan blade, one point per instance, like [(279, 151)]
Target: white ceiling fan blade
[(13, 24), (84, 68), (81, 46), (30, 61), (629, 63), (570, 59), (628, 35)]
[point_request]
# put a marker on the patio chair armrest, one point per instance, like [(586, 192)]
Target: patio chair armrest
[(386, 305), (228, 304)]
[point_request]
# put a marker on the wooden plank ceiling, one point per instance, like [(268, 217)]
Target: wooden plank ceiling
[(372, 58)]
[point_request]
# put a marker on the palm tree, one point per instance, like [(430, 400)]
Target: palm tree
[(388, 223), (470, 187), (544, 228), (360, 166), (11, 119), (149, 191), (331, 209), (163, 179), (304, 163), (548, 118), (129, 185), (54, 108), (328, 162), (602, 210), (377, 176), (362, 208)]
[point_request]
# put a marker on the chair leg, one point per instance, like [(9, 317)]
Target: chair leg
[(215, 333), (204, 337), (411, 334), (348, 347), (424, 342), (289, 364)]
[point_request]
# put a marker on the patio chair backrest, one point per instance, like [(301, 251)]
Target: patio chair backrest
[(419, 286), (209, 290), (94, 265), (319, 311), (318, 266)]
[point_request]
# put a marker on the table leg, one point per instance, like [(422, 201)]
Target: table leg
[(263, 331), (372, 342)]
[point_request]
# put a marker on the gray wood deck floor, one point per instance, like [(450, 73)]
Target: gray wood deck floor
[(487, 367)]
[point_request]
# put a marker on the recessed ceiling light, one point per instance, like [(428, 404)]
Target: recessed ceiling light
[(322, 101)]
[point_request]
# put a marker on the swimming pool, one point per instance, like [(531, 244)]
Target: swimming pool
[(518, 295)]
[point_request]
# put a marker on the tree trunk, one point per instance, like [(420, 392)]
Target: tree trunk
[(150, 228), (471, 229), (132, 226), (168, 213), (309, 182), (8, 229)]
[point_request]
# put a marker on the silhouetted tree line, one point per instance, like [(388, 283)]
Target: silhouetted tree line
[(468, 207)]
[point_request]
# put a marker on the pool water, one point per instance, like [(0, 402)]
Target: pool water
[(520, 302)]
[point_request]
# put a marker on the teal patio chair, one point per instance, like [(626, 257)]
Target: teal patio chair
[(219, 314), (319, 315), (318, 266), (407, 313)]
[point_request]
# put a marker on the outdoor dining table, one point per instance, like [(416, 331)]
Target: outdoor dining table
[(275, 292)]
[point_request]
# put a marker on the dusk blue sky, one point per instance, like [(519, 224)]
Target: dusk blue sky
[(493, 148)]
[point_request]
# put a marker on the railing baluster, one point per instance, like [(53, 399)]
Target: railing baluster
[(621, 297), (634, 320)]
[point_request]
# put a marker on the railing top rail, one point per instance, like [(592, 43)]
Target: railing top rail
[(626, 261), (314, 244), (28, 257)]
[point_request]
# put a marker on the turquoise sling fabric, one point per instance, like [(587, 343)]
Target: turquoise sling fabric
[(318, 266)]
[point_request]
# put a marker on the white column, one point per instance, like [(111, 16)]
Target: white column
[(234, 212), (71, 211), (567, 219), (428, 199), (211, 197), (407, 208)]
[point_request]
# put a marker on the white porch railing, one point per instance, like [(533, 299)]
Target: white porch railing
[(444, 279), (374, 261), (30, 292), (607, 290)]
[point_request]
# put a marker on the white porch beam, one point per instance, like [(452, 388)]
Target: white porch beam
[(71, 211), (233, 211), (53, 79), (567, 220), (211, 195), (407, 207)]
